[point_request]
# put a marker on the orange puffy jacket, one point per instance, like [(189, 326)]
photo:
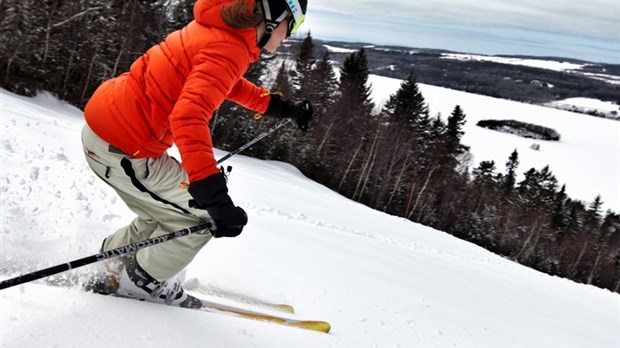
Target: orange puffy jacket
[(170, 93)]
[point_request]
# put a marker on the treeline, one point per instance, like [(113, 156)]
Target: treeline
[(70, 46), (401, 160)]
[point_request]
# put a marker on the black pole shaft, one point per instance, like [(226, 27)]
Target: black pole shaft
[(103, 255), (255, 140)]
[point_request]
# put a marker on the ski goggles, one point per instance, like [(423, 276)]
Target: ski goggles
[(295, 18)]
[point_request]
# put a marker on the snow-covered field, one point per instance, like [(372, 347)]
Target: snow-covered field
[(542, 63), (380, 280), (530, 62)]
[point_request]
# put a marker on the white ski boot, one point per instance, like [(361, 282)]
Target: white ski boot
[(135, 282)]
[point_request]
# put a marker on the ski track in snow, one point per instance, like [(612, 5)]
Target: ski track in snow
[(301, 218)]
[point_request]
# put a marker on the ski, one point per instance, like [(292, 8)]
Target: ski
[(237, 297), (77, 281), (314, 325)]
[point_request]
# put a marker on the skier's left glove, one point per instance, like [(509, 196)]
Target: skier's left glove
[(300, 111), (211, 194)]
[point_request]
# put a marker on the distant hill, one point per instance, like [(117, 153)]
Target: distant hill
[(537, 80)]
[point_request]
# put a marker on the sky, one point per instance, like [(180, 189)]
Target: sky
[(587, 29)]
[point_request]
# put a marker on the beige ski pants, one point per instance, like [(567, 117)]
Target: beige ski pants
[(150, 188)]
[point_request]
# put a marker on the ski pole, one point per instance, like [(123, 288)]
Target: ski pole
[(255, 140), (104, 255), (135, 246)]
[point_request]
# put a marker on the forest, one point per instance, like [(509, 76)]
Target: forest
[(402, 160)]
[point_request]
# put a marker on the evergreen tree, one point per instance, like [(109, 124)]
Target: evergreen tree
[(407, 105), (484, 183), (454, 133), (510, 179), (355, 123), (283, 82), (560, 216), (538, 189), (305, 61), (484, 175), (281, 148), (407, 132), (601, 235), (327, 93), (323, 94), (355, 92), (324, 85), (594, 214)]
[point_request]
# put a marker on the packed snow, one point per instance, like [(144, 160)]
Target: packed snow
[(380, 280)]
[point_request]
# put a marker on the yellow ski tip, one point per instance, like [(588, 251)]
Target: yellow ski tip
[(314, 325), (284, 308)]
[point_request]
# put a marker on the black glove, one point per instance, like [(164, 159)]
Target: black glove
[(300, 111), (211, 194)]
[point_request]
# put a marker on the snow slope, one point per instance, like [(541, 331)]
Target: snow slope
[(380, 280)]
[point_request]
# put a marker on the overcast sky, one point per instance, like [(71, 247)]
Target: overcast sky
[(583, 29)]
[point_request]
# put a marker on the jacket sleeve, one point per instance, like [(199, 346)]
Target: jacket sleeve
[(248, 95), (216, 70)]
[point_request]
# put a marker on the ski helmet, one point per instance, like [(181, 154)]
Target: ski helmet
[(276, 11)]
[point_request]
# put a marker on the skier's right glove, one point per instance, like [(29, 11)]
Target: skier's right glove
[(211, 194)]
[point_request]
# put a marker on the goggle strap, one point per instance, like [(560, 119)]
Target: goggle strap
[(266, 9), (282, 17)]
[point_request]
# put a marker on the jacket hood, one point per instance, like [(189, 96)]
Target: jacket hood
[(207, 13)]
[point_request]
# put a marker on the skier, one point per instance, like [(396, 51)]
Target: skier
[(168, 96)]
